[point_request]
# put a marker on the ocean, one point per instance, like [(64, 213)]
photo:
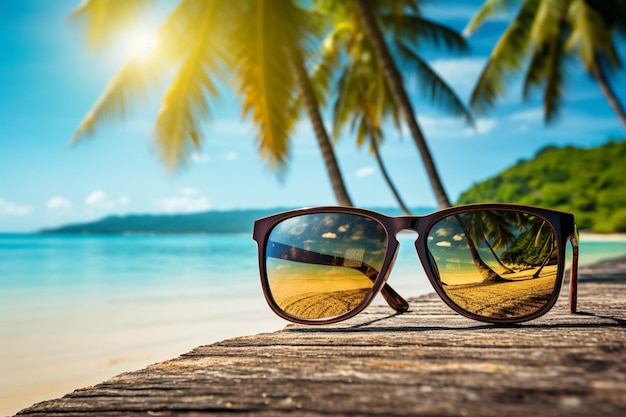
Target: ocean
[(78, 309)]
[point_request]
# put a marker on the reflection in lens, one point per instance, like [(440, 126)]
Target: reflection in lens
[(497, 264), (323, 265)]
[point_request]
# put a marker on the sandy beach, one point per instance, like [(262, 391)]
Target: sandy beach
[(47, 358)]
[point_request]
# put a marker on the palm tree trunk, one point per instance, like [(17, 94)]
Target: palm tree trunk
[(387, 178), (376, 149), (507, 270), (394, 80), (549, 241), (488, 275), (312, 109), (614, 102)]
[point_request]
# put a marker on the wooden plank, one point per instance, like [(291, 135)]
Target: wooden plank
[(426, 362)]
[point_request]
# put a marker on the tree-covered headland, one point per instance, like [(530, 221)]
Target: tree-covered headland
[(589, 182)]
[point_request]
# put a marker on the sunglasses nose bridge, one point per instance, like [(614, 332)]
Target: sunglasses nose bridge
[(405, 223)]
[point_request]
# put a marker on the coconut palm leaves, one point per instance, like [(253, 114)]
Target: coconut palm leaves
[(367, 17), (189, 51), (541, 38), (266, 36), (103, 18), (371, 85), (362, 99), (258, 46)]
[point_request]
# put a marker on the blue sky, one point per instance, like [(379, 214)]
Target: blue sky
[(49, 80)]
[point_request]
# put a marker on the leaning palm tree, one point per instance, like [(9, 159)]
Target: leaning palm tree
[(364, 100), (205, 44), (541, 38), (492, 228), (358, 101), (402, 19)]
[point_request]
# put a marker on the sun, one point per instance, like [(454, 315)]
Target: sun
[(140, 44)]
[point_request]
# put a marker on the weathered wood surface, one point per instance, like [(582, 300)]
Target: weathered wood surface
[(427, 362)]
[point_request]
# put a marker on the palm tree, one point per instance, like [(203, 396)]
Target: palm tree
[(541, 37), (205, 44), (492, 228), (363, 98), (370, 15), (358, 100), (467, 224)]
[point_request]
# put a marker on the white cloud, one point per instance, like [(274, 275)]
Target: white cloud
[(444, 127), (531, 115), (188, 200), (365, 172), (100, 199), (96, 198), (12, 209), (58, 203), (454, 127), (444, 244), (229, 156), (200, 158), (481, 126)]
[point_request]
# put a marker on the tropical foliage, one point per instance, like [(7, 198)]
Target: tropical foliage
[(588, 182), (364, 99), (542, 38), (260, 47), (534, 247)]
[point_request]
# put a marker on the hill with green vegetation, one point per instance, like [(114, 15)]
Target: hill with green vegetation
[(589, 182)]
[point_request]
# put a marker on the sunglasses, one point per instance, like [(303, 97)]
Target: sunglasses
[(496, 263)]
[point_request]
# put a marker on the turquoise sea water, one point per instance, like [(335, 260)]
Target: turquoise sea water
[(216, 266), (75, 310)]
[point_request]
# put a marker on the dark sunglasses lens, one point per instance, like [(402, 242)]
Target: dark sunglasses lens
[(323, 265), (495, 264)]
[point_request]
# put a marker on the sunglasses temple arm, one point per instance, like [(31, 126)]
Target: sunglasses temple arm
[(573, 280), (292, 253)]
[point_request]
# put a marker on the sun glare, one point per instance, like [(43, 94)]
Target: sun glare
[(140, 44)]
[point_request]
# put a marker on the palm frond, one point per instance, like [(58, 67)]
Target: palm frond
[(555, 74), (413, 29), (437, 90), (590, 35), (507, 57), (269, 38), (322, 74), (129, 84), (488, 9), (185, 104), (103, 18), (536, 72), (548, 18), (341, 106), (613, 13), (362, 132)]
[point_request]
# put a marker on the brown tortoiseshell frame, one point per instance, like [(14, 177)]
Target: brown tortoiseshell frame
[(562, 224)]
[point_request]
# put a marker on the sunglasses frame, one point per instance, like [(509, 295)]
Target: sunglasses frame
[(562, 224)]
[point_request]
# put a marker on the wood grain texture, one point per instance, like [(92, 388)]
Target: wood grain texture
[(426, 362)]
